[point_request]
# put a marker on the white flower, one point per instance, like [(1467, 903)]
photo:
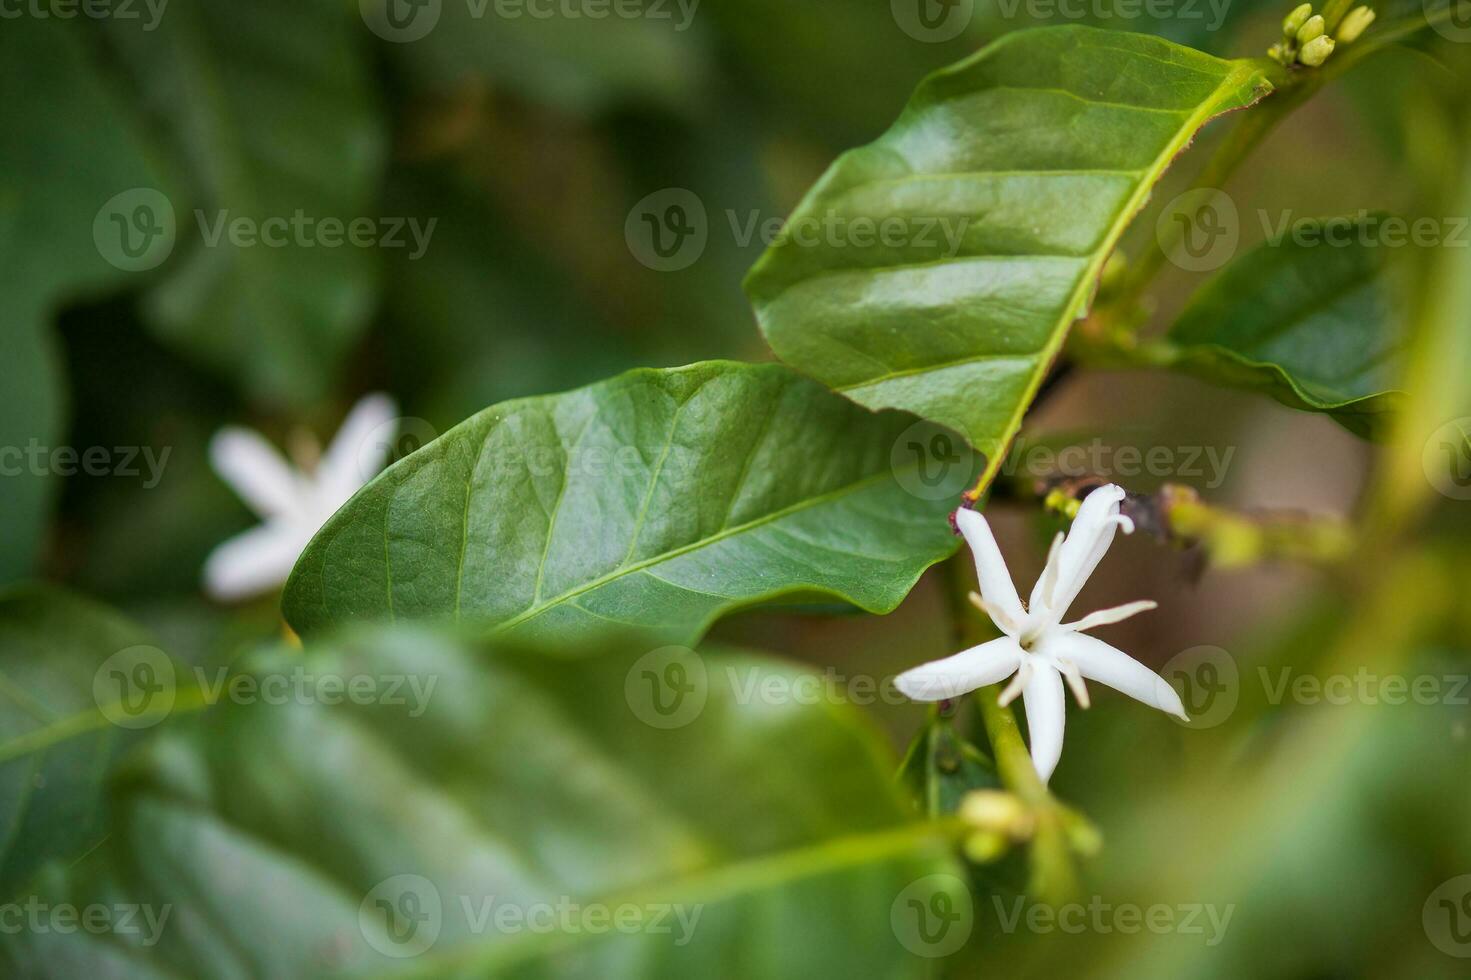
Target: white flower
[(1038, 648), (293, 502)]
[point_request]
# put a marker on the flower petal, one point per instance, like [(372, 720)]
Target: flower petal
[(255, 471), (938, 680), (1098, 661), (1087, 542), (1046, 708), (996, 585), (360, 448), (254, 562), (1114, 614)]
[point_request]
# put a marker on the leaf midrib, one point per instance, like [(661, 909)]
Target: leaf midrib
[(537, 609), (706, 886)]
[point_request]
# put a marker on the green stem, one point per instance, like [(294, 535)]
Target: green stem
[(1293, 89)]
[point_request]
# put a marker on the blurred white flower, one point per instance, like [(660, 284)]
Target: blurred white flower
[(292, 501), (1039, 649)]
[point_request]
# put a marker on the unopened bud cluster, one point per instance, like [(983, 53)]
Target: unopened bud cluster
[(1308, 38)]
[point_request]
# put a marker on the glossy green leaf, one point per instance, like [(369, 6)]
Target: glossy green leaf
[(655, 501), (938, 269), (279, 304), (57, 744), (54, 181), (444, 827), (1316, 325)]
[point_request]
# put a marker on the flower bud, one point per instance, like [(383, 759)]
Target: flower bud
[(996, 811), (1311, 28), (1333, 12), (1316, 51), (1296, 19), (985, 846), (1357, 21)]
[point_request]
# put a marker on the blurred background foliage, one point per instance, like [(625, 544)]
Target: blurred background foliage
[(528, 142)]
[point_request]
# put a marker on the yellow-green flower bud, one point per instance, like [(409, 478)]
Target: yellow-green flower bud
[(998, 811), (1316, 51), (1333, 12), (1357, 21), (985, 846), (1311, 28), (1296, 19)]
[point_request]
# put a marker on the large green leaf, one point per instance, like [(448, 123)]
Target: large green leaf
[(393, 831), (54, 180), (1316, 325), (654, 501), (57, 742), (227, 83), (1034, 154)]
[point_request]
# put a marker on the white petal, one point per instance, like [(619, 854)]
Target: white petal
[(1098, 661), (1115, 614), (360, 448), (255, 471), (1087, 542), (1045, 710), (1046, 584), (996, 585), (939, 680), (254, 562)]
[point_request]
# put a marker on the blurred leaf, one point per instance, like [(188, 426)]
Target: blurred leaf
[(54, 181), (1315, 325), (1032, 157), (656, 501), (481, 317), (402, 829), (56, 743), (272, 109), (577, 62)]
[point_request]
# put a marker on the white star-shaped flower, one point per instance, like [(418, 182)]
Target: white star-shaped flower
[(1038, 648), (293, 501)]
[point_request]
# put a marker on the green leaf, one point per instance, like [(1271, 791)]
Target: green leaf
[(942, 766), (57, 744), (1033, 155), (1315, 325), (655, 501), (228, 84), (296, 833), (54, 180)]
